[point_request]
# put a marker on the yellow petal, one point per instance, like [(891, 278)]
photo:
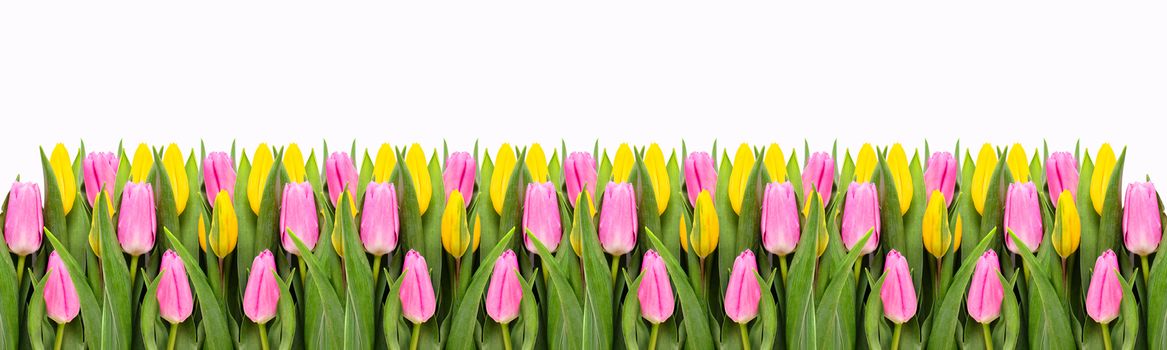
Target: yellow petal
[(500, 179), (823, 239), (1100, 179), (706, 231), (1067, 233), (622, 166), (477, 232), (226, 225), (743, 162), (683, 231), (865, 165), (383, 166), (983, 175), (775, 163), (256, 181), (294, 164), (537, 163), (1018, 163), (176, 171), (142, 164), (455, 236), (66, 181), (202, 227), (935, 228), (957, 234), (658, 174), (420, 172), (897, 163)]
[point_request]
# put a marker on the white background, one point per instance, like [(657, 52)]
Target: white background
[(636, 71)]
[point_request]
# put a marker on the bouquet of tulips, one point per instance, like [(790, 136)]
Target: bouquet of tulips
[(163, 248)]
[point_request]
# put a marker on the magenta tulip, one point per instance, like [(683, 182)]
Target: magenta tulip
[(61, 301), (861, 214), (459, 175), (417, 290), (941, 175), (700, 175), (379, 221), (298, 213), (618, 226), (175, 301), (219, 175), (743, 292), (505, 294), (780, 230), (1141, 225), (986, 292), (1105, 294), (1061, 173), (541, 216), (656, 291), (24, 222), (100, 171), (898, 293), (262, 296), (341, 174), (579, 171), (819, 174), (136, 220), (1023, 216)]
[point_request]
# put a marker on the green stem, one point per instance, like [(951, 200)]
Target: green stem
[(133, 268), (60, 336), (1146, 270), (895, 336), (1106, 336), (988, 336), (858, 262), (303, 271), (416, 335), (19, 269), (263, 336), (173, 336), (652, 336), (376, 268), (615, 267), (506, 336), (783, 268), (745, 336)]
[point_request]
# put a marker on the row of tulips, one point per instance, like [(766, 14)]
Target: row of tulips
[(404, 248)]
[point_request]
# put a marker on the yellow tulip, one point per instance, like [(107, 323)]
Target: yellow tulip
[(62, 169), (225, 232), (143, 163), (897, 163), (705, 229), (176, 171), (574, 235), (775, 163), (420, 172), (937, 236), (202, 227), (337, 235), (654, 163), (504, 165), (1100, 179), (739, 177), (983, 176), (956, 234), (683, 230), (294, 164), (537, 163), (1067, 231), (94, 238), (477, 233), (384, 164), (622, 166), (824, 238), (1018, 164), (455, 235), (865, 164), (257, 180)]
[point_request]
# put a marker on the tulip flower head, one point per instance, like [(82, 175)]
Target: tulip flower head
[(897, 293), (505, 294), (1100, 178), (937, 235), (341, 175), (541, 216), (1141, 226), (985, 291), (705, 232), (743, 292), (1018, 164), (1061, 174), (100, 171), (380, 223), (500, 179), (420, 173), (218, 175), (537, 163), (1023, 216), (384, 164), (176, 172), (983, 176), (743, 163), (460, 175), (418, 301), (861, 214), (656, 291), (262, 295), (941, 176), (455, 231), (658, 175), (61, 301), (618, 226), (779, 221), (298, 214), (175, 301), (294, 164), (901, 174), (775, 163), (1067, 232), (819, 175), (24, 220), (623, 164), (579, 173), (137, 222), (700, 175), (866, 163), (62, 167), (1104, 297), (225, 232), (261, 166)]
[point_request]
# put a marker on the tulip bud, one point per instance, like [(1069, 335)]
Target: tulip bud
[(100, 172), (62, 167), (983, 176), (985, 291), (937, 236), (1105, 294), (700, 175), (175, 301), (819, 175), (941, 175), (23, 222), (705, 226), (1067, 232), (459, 175), (142, 163), (656, 291), (1061, 173), (861, 214), (775, 163), (1023, 216), (898, 293), (658, 175), (865, 164), (897, 164), (384, 164), (261, 166), (225, 234), (136, 221), (176, 172), (505, 294), (262, 296), (219, 175), (500, 178), (298, 214), (743, 163), (341, 173), (455, 233), (1100, 178), (537, 163), (541, 215), (420, 173), (1018, 163), (417, 290), (623, 164), (294, 164), (380, 223), (579, 171), (780, 230), (337, 235), (476, 233), (743, 292), (1141, 227), (61, 301), (618, 224), (683, 232)]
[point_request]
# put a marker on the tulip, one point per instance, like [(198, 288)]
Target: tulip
[(294, 164), (384, 164), (537, 163), (819, 175), (941, 175), (225, 233), (579, 171), (937, 235), (341, 174), (623, 164), (1061, 173), (1023, 216), (100, 172), (455, 233), (420, 173), (459, 174), (1105, 294), (262, 296), (1141, 228), (175, 301), (1067, 232), (618, 226), (61, 301), (985, 291), (219, 175), (861, 214), (337, 236), (261, 166), (142, 164), (136, 221), (176, 172), (897, 164), (658, 175), (380, 223), (505, 294), (743, 292), (476, 233), (417, 290), (656, 291), (743, 163), (780, 230), (298, 214), (62, 167), (897, 293), (705, 226), (1017, 163), (866, 163), (775, 163), (541, 216), (24, 220), (1100, 178), (500, 179), (700, 175), (983, 176)]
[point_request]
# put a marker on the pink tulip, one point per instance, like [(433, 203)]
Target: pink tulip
[(1061, 173), (941, 175), (898, 293), (656, 291), (743, 292), (579, 171), (985, 293), (136, 220), (819, 174), (1141, 227), (100, 171), (618, 219), (861, 214), (298, 213), (262, 295), (417, 291), (459, 175), (780, 231), (341, 173), (219, 175), (1023, 216), (175, 302), (1105, 294), (700, 175), (505, 293), (379, 221), (61, 302), (24, 222), (541, 216)]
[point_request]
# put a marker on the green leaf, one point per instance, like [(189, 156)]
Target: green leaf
[(570, 310), (391, 314), (36, 314), (835, 319), (873, 325), (214, 320), (800, 308), (1048, 324), (287, 312), (9, 304), (465, 314), (358, 315), (630, 317), (1130, 313), (326, 319), (116, 310), (148, 314), (946, 315), (598, 303), (696, 321), (530, 314)]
